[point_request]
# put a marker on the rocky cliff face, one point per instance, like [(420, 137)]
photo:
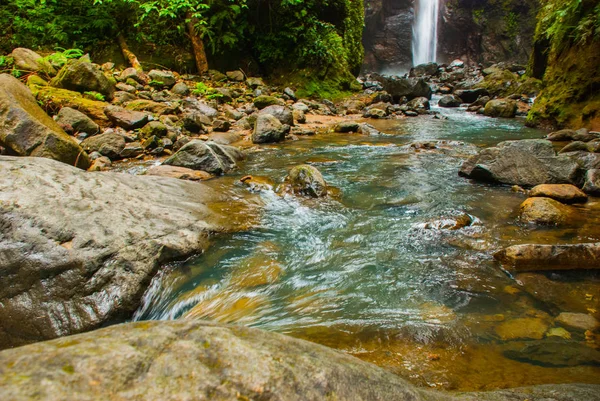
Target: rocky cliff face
[(476, 31)]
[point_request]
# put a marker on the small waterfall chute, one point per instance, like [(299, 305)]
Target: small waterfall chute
[(424, 42)]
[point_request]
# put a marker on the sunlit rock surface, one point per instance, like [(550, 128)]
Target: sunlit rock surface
[(197, 360), (79, 249)]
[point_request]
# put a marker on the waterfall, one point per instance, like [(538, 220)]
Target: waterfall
[(424, 42)]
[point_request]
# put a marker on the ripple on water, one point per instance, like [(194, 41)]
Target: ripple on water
[(396, 267)]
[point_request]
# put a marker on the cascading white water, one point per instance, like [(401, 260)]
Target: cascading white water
[(424, 43)]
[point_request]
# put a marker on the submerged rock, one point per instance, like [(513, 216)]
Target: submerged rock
[(80, 249), (529, 257), (27, 130), (526, 162), (525, 328), (544, 211), (579, 321), (307, 180), (552, 353)]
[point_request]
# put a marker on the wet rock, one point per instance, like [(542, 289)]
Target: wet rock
[(264, 101), (127, 119), (579, 321), (571, 135), (527, 162), (93, 365), (558, 332), (368, 129), (575, 147), (181, 173), (282, 113), (164, 79), (306, 180), (346, 127), (206, 156), (543, 211), (450, 101), (453, 222), (563, 291), (132, 150), (257, 184), (501, 108), (80, 249), (101, 163), (77, 120), (471, 95), (421, 70), (592, 182), (180, 89), (550, 257), (268, 129), (404, 87), (28, 60), (552, 353), (564, 193), (419, 104), (221, 125), (526, 328), (83, 76), (110, 145), (27, 130)]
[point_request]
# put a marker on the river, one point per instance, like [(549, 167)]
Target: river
[(394, 266)]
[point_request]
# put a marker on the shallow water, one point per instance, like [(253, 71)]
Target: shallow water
[(378, 269)]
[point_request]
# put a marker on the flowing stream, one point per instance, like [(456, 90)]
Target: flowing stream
[(424, 43), (393, 267)]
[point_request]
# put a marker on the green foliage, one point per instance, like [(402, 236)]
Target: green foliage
[(6, 61), (565, 22), (62, 56), (94, 96), (155, 83), (204, 90)]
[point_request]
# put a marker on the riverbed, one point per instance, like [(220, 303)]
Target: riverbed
[(395, 265)]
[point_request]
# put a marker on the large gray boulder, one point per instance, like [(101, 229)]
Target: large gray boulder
[(109, 144), (26, 130), (195, 360), (527, 162), (83, 76), (282, 113), (78, 250), (268, 129), (399, 87), (206, 156), (501, 108)]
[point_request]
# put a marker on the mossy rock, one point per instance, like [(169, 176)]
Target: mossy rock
[(307, 180), (500, 82), (53, 99)]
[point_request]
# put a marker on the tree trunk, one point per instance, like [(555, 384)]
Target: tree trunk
[(197, 45), (128, 54)]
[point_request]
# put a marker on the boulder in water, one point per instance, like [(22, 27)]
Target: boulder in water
[(206, 156), (307, 180), (544, 211), (528, 257), (526, 162), (564, 193), (450, 101), (501, 108)]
